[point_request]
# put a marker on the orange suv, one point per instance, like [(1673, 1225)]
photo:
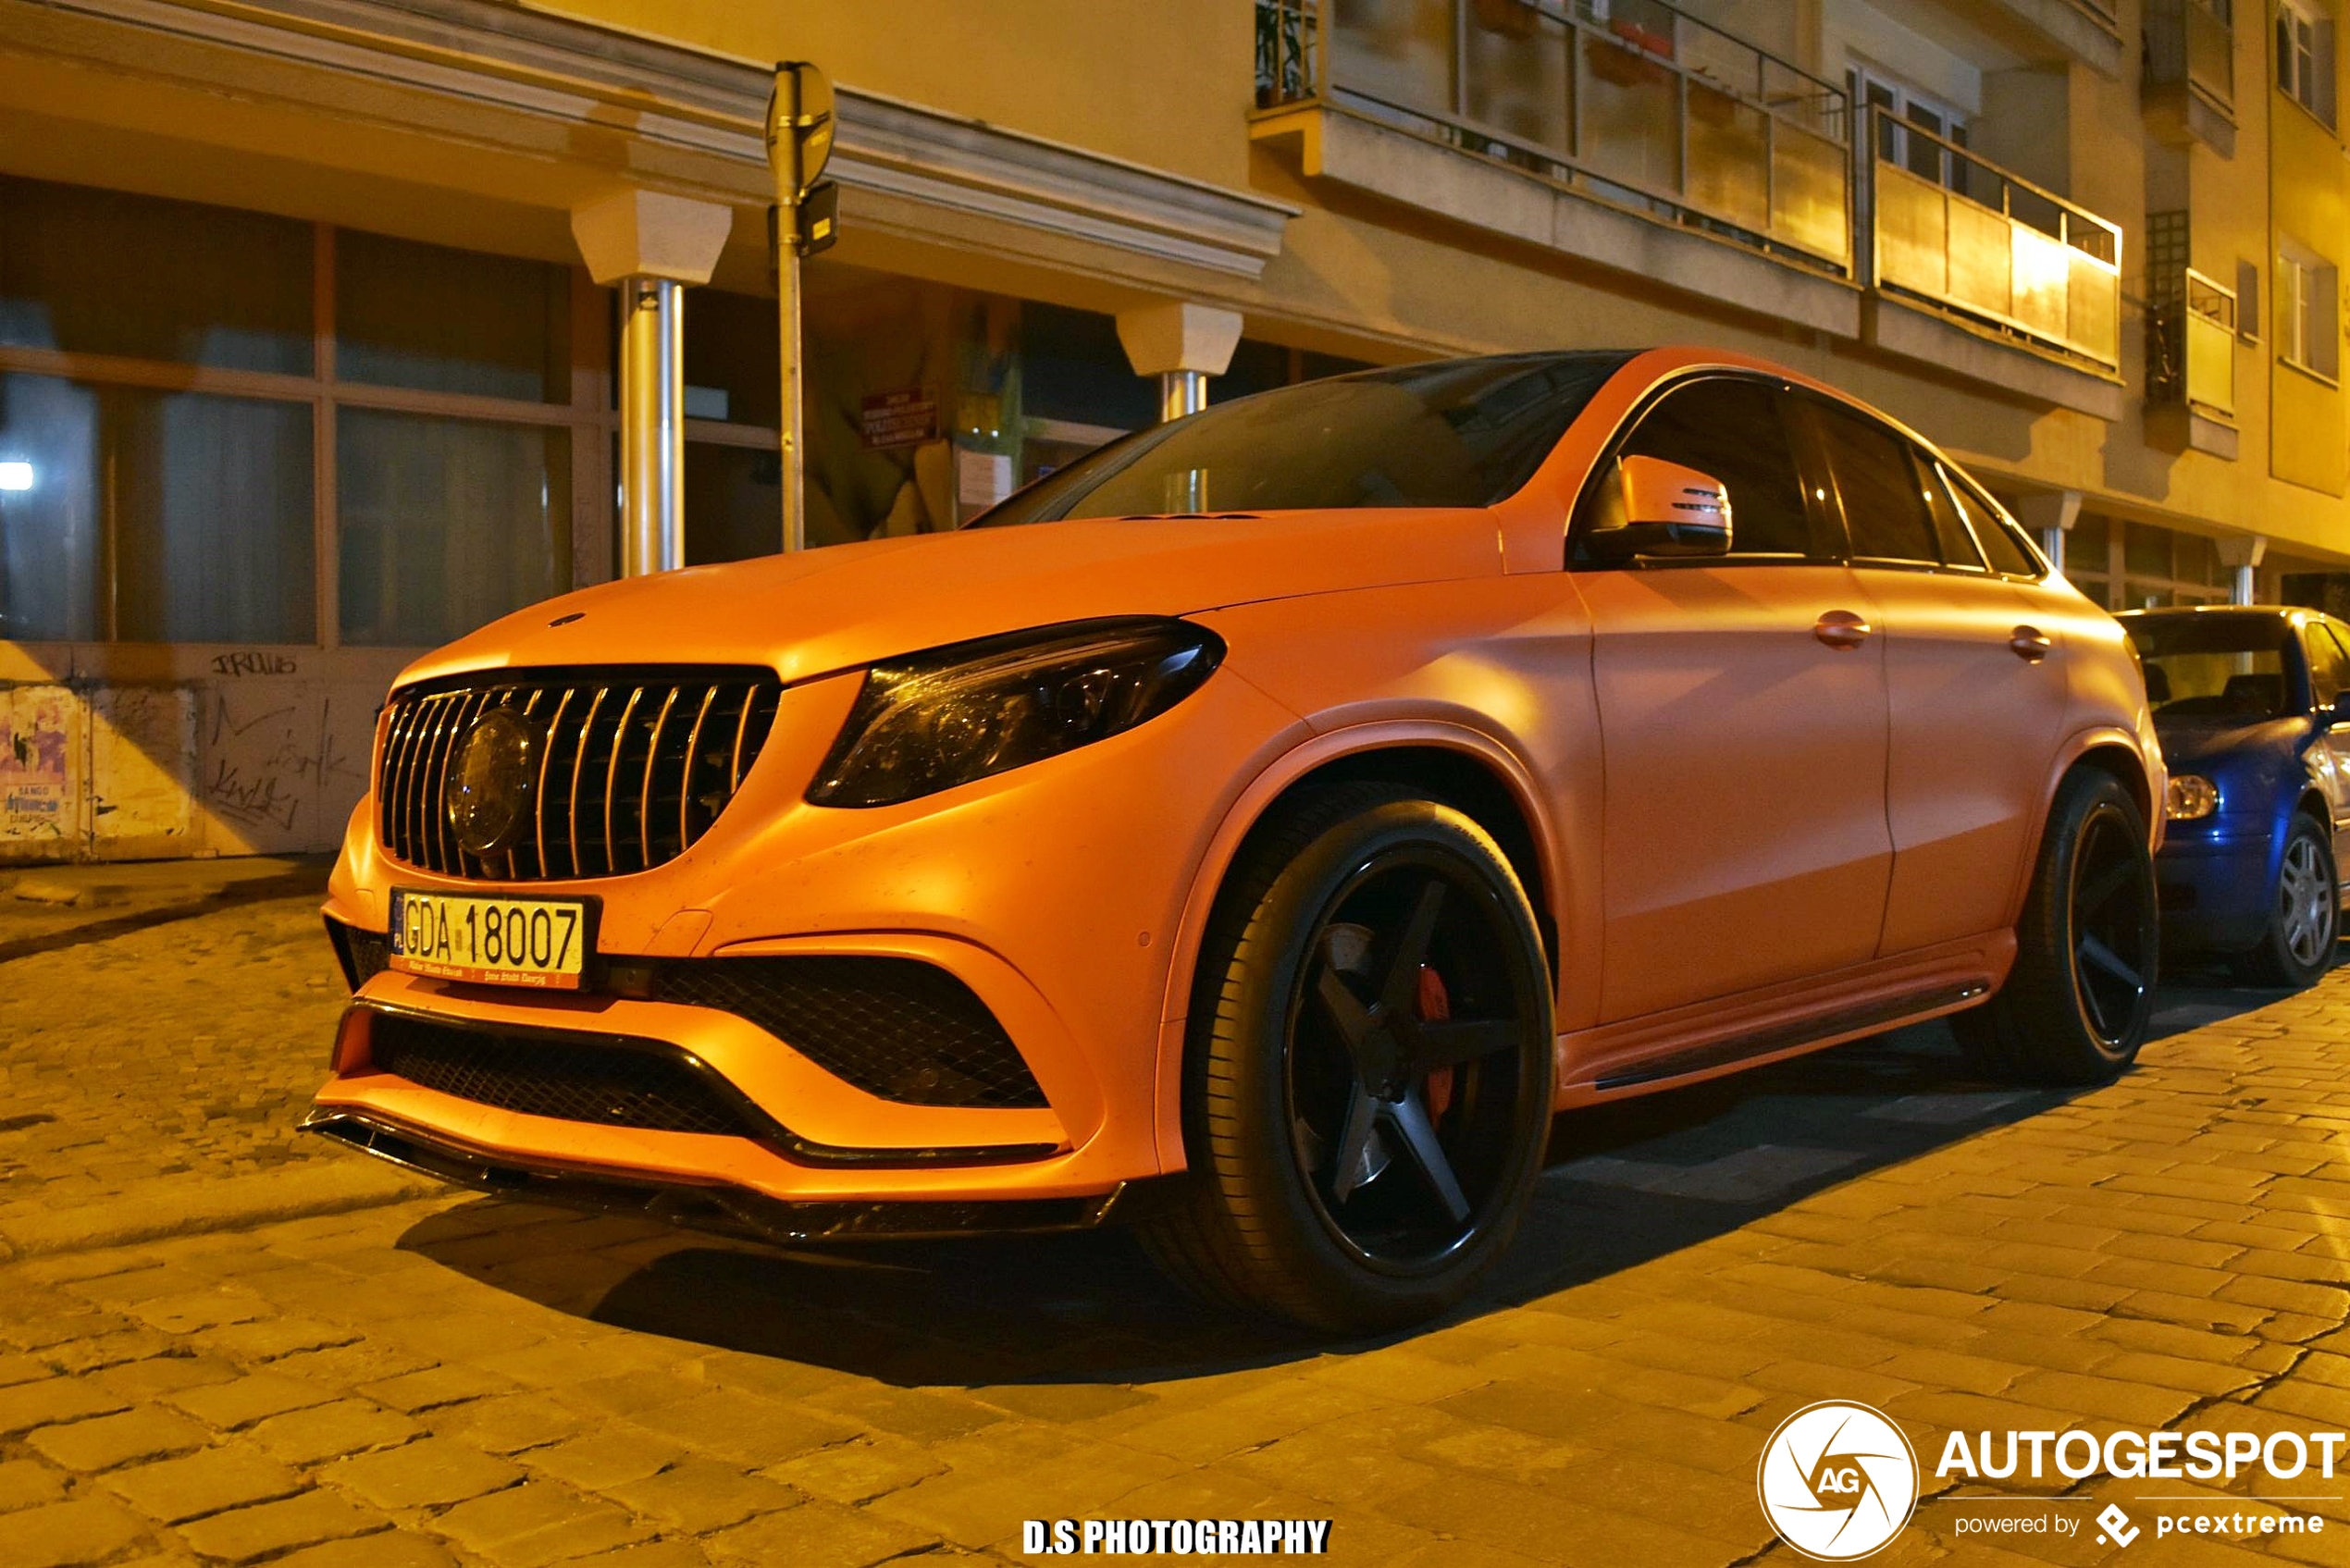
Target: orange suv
[(1256, 830)]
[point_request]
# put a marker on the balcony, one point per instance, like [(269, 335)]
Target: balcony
[(1627, 104), (2190, 73), (2191, 363), (1989, 250)]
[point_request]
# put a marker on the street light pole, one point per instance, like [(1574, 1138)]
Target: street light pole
[(800, 140)]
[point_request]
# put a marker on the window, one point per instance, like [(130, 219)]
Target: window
[(164, 414), (1903, 107), (2002, 542), (446, 524), (1463, 434), (1950, 528), (2213, 666), (1884, 507), (2306, 333), (1735, 431), (2305, 57), (2248, 299), (100, 272), (107, 541), (2329, 667)]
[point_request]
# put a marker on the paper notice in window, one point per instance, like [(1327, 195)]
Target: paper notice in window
[(981, 478)]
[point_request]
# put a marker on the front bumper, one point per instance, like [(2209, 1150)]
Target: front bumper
[(2215, 888), (1054, 893)]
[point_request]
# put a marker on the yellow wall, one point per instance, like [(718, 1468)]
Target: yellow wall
[(2308, 443), (1163, 82)]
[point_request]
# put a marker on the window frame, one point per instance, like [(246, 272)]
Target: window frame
[(2302, 41), (2308, 311), (1826, 528)]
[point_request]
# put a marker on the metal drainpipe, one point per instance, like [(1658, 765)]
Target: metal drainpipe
[(2052, 545), (652, 425), (2247, 588)]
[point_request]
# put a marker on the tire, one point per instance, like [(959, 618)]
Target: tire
[(2304, 914), (1323, 1121), (2075, 1006)]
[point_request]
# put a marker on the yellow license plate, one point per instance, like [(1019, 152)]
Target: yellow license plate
[(489, 940)]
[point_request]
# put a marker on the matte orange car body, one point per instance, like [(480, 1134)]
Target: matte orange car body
[(1446, 632)]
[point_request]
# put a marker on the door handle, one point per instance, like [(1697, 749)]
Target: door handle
[(2029, 644), (1841, 629)]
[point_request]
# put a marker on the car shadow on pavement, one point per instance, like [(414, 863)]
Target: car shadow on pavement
[(1627, 1183)]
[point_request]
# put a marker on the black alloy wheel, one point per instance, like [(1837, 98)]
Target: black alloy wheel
[(2076, 1005), (1371, 1073)]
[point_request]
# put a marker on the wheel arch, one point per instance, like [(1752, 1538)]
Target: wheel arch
[(1463, 769)]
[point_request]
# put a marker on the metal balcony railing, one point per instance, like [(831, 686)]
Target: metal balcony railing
[(1950, 228), (2190, 41), (1630, 101), (2194, 344)]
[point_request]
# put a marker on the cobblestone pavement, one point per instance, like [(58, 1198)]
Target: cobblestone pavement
[(457, 1379)]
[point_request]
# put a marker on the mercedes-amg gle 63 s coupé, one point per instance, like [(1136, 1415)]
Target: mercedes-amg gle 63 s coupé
[(1254, 830)]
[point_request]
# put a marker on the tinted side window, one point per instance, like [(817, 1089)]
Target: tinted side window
[(1997, 535), (2329, 666), (1733, 430), (1884, 510), (1950, 530)]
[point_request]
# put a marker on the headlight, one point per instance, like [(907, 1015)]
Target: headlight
[(935, 719), (2190, 796)]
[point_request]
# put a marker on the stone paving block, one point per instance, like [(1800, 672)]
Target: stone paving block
[(602, 1460), (860, 1471), (205, 1481), (58, 1534), (271, 1337), (267, 1529), (24, 1482), (246, 1399), (821, 1534), (330, 1431), (433, 1386), (25, 1406), (163, 1375), (428, 1472), (745, 1429), (698, 1496), (536, 1522), (385, 1548), (105, 1441), (507, 1423)]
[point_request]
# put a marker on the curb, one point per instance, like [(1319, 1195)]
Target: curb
[(164, 1207)]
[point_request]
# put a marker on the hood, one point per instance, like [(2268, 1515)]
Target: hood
[(2202, 746), (849, 605)]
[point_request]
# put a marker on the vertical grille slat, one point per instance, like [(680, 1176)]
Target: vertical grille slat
[(613, 747)]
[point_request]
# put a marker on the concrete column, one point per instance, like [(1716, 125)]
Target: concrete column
[(2243, 552), (1182, 344), (2049, 514), (649, 245)]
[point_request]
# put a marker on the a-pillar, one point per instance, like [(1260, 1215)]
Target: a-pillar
[(650, 246), (2050, 515), (2242, 553), (1182, 344)]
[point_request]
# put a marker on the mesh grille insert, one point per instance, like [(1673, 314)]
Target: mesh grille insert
[(897, 1028), (641, 1085)]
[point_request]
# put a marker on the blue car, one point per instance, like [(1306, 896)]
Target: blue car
[(2250, 706)]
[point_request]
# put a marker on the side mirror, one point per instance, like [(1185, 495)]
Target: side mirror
[(1666, 510)]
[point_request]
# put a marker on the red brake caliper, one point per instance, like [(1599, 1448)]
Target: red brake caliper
[(1435, 1004)]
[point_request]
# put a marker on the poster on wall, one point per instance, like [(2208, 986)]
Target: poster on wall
[(905, 417), (35, 736)]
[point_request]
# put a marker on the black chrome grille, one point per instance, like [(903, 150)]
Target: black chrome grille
[(640, 1084), (633, 766), (898, 1028)]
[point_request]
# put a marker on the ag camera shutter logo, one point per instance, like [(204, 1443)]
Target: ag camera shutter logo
[(1838, 1480)]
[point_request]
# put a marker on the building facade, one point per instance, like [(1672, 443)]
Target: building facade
[(303, 369)]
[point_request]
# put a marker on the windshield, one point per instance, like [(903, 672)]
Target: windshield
[(2204, 666), (1460, 433)]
